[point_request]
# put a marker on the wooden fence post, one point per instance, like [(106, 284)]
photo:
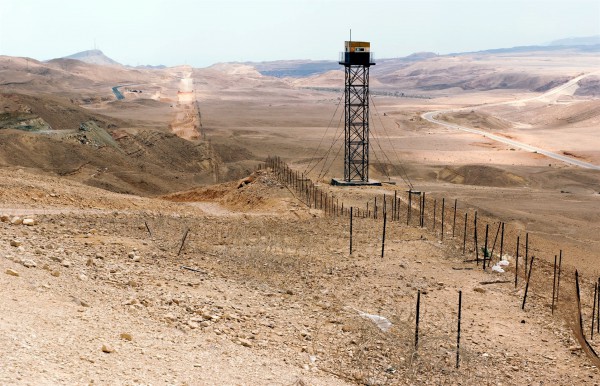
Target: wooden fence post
[(485, 249), (458, 329), (527, 284), (454, 221), (465, 234), (558, 278), (434, 212), (409, 209), (417, 320), (375, 209), (443, 208), (502, 242), (423, 210), (554, 284), (383, 238), (594, 310)]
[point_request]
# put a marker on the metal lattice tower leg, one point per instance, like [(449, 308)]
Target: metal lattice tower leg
[(356, 59), (356, 152)]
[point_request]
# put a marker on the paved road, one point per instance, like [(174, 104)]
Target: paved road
[(431, 117), (118, 93)]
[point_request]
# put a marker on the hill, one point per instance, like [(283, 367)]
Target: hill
[(93, 57), (246, 281), (295, 68), (577, 41), (306, 68), (527, 68)]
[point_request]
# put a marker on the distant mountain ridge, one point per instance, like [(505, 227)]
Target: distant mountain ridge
[(93, 57), (294, 68), (305, 68), (577, 41), (524, 49)]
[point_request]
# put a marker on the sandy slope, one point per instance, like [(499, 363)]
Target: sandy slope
[(264, 307)]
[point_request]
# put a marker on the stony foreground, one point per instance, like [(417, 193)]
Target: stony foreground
[(102, 288)]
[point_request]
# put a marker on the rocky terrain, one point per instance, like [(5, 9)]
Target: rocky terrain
[(105, 288), (140, 244)]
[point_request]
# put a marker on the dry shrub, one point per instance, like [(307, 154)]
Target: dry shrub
[(355, 349)]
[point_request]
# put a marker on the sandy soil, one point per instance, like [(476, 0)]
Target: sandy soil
[(261, 305), (276, 299)]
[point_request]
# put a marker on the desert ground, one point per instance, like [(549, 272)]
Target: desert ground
[(131, 253)]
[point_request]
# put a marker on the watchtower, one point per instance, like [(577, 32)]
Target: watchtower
[(356, 59)]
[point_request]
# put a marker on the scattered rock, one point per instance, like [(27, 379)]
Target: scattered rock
[(12, 272), (15, 243), (480, 290), (58, 259), (205, 323), (66, 263), (81, 302), (170, 317), (29, 222), (16, 220), (126, 336), (29, 263), (106, 348), (55, 273), (245, 342)]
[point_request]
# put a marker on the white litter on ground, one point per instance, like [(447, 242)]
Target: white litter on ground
[(381, 322), (497, 268), (503, 263)]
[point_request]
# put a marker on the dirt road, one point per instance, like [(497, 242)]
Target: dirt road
[(432, 117)]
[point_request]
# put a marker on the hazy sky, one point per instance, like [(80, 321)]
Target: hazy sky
[(203, 32)]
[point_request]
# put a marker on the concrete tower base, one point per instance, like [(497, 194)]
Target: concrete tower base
[(342, 182)]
